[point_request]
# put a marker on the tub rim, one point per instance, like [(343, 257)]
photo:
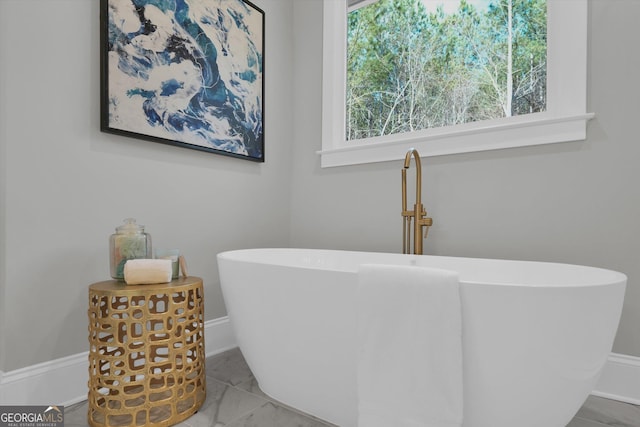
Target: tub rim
[(607, 277)]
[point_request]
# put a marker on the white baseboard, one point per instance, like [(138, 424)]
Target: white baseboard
[(59, 382), (64, 381), (620, 379)]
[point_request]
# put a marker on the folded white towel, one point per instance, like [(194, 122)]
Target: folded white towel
[(409, 347), (147, 271)]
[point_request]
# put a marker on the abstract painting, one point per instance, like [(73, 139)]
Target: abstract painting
[(185, 72)]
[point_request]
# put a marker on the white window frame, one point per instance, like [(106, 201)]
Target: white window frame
[(565, 118)]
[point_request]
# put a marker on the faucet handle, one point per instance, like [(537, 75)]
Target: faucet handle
[(426, 223)]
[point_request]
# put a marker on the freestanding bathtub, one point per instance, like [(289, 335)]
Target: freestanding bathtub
[(535, 336)]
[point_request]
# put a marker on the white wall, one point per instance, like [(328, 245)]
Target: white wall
[(65, 185), (575, 202), (3, 187)]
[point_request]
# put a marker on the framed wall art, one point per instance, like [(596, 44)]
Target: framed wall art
[(185, 72)]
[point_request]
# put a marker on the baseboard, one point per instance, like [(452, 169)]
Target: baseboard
[(57, 382), (620, 379), (64, 381)]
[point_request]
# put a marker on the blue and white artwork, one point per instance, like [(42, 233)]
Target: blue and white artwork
[(186, 72)]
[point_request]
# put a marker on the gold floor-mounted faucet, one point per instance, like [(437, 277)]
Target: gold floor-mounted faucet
[(419, 214)]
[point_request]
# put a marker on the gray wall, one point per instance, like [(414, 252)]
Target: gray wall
[(575, 202), (65, 186)]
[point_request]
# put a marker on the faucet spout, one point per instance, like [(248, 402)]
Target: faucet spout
[(407, 163), (418, 215)]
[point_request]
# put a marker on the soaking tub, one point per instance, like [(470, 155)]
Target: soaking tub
[(535, 336)]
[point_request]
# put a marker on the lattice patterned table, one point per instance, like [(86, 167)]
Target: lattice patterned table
[(146, 356)]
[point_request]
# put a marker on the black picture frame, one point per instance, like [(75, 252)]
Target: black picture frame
[(188, 73)]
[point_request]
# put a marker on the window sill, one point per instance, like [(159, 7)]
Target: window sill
[(534, 129)]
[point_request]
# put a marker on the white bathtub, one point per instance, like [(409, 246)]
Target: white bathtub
[(535, 335)]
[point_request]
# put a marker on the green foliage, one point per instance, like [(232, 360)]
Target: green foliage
[(410, 69)]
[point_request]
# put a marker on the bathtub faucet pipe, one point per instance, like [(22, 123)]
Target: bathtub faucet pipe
[(418, 215)]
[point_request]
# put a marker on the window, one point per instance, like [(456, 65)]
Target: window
[(562, 118)]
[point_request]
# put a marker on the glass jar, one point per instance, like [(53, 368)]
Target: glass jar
[(129, 242)]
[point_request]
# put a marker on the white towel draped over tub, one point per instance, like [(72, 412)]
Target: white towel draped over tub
[(409, 347)]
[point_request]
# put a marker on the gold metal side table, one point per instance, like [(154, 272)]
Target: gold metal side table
[(146, 355)]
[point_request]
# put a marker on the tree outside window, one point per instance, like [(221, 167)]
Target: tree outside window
[(411, 68)]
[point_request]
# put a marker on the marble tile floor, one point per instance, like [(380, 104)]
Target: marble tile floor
[(234, 400)]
